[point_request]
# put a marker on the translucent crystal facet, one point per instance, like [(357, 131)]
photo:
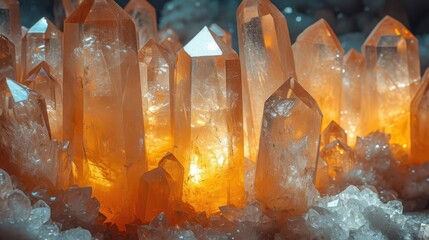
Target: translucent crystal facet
[(42, 42), (144, 16), (10, 24), (70, 6), (156, 73), (40, 80), (318, 59), (169, 39), (354, 73), (420, 123), (332, 132), (392, 57), (102, 105), (7, 58), (288, 149), (221, 33), (208, 122), (266, 62), (339, 158), (175, 169)]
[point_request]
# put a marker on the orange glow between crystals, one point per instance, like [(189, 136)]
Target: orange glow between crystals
[(97, 176)]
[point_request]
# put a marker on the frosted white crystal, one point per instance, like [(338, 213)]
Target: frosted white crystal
[(5, 184), (76, 234)]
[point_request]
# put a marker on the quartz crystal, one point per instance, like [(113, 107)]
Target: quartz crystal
[(169, 39), (420, 123), (332, 132), (43, 42), (354, 73), (266, 62), (144, 17), (7, 58), (70, 6), (175, 169), (392, 57), (40, 80), (10, 24), (156, 73), (208, 123), (103, 116), (339, 157), (288, 151), (221, 33), (319, 57)]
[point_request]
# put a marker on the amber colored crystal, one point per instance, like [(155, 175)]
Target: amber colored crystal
[(40, 80), (7, 58), (144, 17), (339, 157), (420, 123), (10, 25), (169, 39), (173, 167), (354, 74), (70, 6), (208, 123), (332, 132), (154, 194), (288, 151), (221, 33), (42, 42), (156, 73), (392, 57), (318, 59), (103, 116)]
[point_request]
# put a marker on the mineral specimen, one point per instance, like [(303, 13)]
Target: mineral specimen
[(221, 33), (339, 157), (266, 62), (333, 132), (7, 58), (144, 17), (288, 150), (319, 58), (169, 39), (173, 167), (10, 24), (103, 116), (208, 123)]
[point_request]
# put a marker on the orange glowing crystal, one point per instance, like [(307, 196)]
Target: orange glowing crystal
[(40, 80), (332, 132), (10, 24), (144, 16), (42, 42), (169, 39), (288, 151), (392, 57), (266, 62), (208, 123), (156, 73), (7, 58), (221, 33), (173, 167), (319, 57), (102, 105), (339, 157), (354, 74), (420, 123)]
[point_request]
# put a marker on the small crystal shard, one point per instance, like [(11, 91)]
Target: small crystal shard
[(169, 39), (339, 158), (40, 80), (156, 73), (392, 57), (318, 59), (18, 206), (354, 73), (43, 42), (5, 184), (70, 6), (173, 167), (289, 147), (10, 24), (266, 62), (7, 58), (144, 17), (103, 116), (420, 123), (221, 33), (208, 123), (333, 132)]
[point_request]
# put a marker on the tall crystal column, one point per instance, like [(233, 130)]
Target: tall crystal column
[(354, 73), (42, 42), (266, 62), (319, 57), (144, 16), (10, 24), (40, 80), (392, 57), (288, 151), (420, 123), (7, 58), (156, 73), (208, 123), (102, 105)]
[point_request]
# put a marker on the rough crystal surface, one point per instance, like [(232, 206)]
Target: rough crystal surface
[(102, 105), (288, 150), (266, 62), (7, 58), (208, 123), (318, 58)]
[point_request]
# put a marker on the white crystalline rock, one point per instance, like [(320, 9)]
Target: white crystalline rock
[(76, 234)]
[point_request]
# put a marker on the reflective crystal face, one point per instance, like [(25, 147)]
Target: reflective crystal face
[(288, 151), (208, 122), (332, 132)]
